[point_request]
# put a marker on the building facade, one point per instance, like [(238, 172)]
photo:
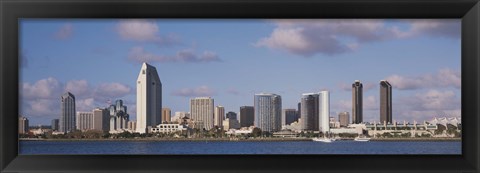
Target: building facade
[(202, 111), (101, 119), (55, 124), (268, 112), (357, 102), (132, 126), (324, 103), (118, 116), (166, 115), (289, 116), (68, 113), (385, 102), (149, 98), (84, 121), (219, 116), (310, 111), (231, 124), (231, 115), (344, 119), (247, 116), (23, 125)]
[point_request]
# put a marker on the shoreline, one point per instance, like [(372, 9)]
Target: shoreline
[(242, 140)]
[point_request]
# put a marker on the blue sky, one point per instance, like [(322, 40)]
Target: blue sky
[(230, 60)]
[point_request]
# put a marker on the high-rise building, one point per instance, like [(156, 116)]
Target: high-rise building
[(132, 125), (289, 116), (166, 115), (101, 119), (55, 124), (23, 125), (230, 124), (385, 102), (202, 112), (84, 121), (344, 119), (149, 98), (231, 115), (67, 115), (324, 103), (219, 116), (247, 116), (357, 102), (268, 112), (310, 111), (299, 110), (118, 116)]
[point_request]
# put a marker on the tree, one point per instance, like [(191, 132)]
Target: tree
[(256, 132)]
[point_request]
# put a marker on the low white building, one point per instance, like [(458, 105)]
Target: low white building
[(167, 128)]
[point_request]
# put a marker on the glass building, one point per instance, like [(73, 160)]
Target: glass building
[(68, 114)]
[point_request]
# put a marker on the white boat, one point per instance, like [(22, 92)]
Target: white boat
[(362, 139), (326, 140)]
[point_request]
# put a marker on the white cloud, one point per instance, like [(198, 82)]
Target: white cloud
[(138, 54), (65, 32), (43, 89), (111, 91), (79, 87), (335, 36), (443, 78), (144, 31), (194, 92)]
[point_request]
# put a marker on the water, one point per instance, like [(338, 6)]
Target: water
[(248, 147)]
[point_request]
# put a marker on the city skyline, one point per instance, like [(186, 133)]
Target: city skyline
[(425, 90)]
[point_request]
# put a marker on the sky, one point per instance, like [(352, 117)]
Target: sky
[(231, 60)]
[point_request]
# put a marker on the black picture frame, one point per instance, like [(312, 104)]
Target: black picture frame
[(13, 10)]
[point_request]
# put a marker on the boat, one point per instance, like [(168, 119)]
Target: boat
[(362, 139), (326, 140)]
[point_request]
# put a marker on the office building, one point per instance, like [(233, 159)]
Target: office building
[(324, 103), (23, 125), (84, 121), (357, 102), (118, 117), (166, 115), (101, 119), (247, 116), (132, 126), (344, 119), (231, 115), (55, 124), (310, 111), (289, 116), (385, 102), (67, 113), (231, 124), (149, 98), (202, 112), (219, 116), (268, 112)]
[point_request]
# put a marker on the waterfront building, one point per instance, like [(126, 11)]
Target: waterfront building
[(385, 102), (132, 126), (55, 124), (247, 116), (84, 121), (289, 116), (231, 124), (118, 117), (231, 115), (23, 125), (149, 98), (268, 112), (67, 113), (166, 115), (357, 102), (310, 111), (219, 116), (101, 119), (168, 128), (202, 112), (344, 119), (324, 119)]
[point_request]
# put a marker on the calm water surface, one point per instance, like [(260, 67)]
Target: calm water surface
[(225, 147)]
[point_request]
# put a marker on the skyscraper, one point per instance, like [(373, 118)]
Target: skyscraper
[(67, 115), (55, 124), (118, 116), (101, 119), (324, 103), (166, 114), (357, 102), (84, 121), (268, 112), (231, 115), (202, 111), (219, 116), (23, 125), (149, 98), (247, 116), (310, 111), (385, 102), (289, 116), (344, 119)]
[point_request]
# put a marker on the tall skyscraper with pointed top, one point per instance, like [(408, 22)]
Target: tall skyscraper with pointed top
[(385, 102), (357, 102), (149, 98), (68, 113)]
